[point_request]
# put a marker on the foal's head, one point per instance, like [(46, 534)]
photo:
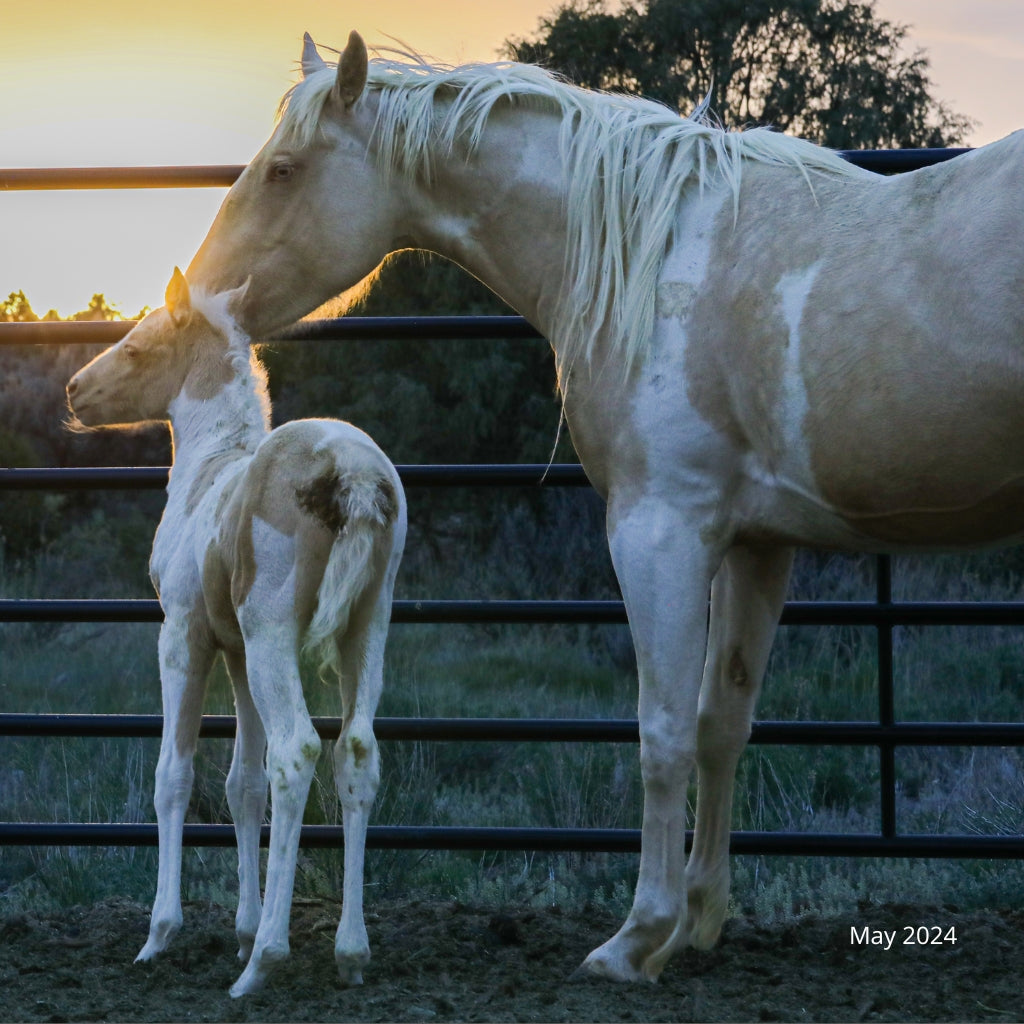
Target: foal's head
[(180, 347)]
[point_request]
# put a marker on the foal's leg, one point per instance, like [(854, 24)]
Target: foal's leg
[(293, 748), (186, 655), (664, 569), (267, 619), (746, 601), (357, 776), (247, 800)]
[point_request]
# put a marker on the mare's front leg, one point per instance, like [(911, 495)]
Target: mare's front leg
[(247, 800), (186, 654), (746, 601), (664, 567), (357, 777)]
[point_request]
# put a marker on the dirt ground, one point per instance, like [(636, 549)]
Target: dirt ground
[(436, 961)]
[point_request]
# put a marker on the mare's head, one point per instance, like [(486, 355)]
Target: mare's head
[(180, 346), (311, 215)]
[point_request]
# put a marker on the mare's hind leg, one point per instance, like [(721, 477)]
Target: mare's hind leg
[(746, 601), (357, 776), (186, 655), (247, 800)]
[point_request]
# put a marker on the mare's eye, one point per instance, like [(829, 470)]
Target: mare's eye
[(130, 351), (281, 172)]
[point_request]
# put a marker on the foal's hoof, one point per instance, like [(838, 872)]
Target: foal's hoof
[(148, 952), (350, 976), (257, 971), (350, 967), (246, 987), (154, 946), (249, 982), (603, 967), (160, 934)]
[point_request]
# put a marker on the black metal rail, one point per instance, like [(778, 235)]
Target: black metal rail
[(155, 477), (537, 730), (795, 613), (551, 840), (348, 328)]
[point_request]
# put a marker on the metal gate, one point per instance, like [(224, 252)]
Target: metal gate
[(883, 614)]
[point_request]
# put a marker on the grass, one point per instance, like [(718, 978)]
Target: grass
[(528, 671)]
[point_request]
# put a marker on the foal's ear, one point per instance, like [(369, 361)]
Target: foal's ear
[(311, 59), (353, 68), (177, 298), (236, 295)]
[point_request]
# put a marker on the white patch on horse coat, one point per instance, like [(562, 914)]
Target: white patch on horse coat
[(682, 446), (674, 299), (793, 291)]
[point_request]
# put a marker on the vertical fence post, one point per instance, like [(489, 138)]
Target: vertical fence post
[(886, 702)]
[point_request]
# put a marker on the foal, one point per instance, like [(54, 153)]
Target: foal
[(270, 541)]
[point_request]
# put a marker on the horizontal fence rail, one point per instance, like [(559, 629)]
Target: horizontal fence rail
[(452, 475), (537, 730), (884, 161), (541, 840), (795, 613), (348, 328), (883, 614)]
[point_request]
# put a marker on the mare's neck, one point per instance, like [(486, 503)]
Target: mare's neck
[(226, 425), (501, 214)]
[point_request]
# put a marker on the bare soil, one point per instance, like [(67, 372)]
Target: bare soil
[(443, 961)]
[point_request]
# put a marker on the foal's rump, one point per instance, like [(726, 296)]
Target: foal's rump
[(322, 497)]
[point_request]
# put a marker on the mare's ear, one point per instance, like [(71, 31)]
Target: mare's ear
[(311, 60), (177, 298), (353, 68)]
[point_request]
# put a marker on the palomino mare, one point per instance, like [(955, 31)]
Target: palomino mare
[(270, 541), (758, 346)]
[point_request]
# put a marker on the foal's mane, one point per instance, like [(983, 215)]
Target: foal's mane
[(250, 392), (628, 161)]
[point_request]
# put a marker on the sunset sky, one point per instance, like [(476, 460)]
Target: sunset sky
[(131, 82)]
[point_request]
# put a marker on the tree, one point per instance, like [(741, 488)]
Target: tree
[(829, 70), (98, 309), (17, 309)]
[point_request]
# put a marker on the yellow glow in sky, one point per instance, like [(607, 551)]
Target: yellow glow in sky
[(123, 82), (130, 82)]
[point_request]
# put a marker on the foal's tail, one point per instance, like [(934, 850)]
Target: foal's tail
[(367, 508)]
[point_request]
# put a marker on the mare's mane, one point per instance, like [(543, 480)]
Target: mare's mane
[(628, 161)]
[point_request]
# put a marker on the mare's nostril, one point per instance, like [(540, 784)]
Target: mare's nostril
[(72, 388)]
